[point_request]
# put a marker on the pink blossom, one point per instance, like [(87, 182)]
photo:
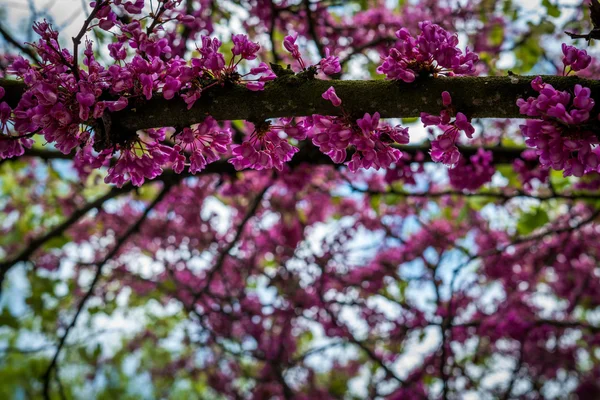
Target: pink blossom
[(330, 64), (330, 95)]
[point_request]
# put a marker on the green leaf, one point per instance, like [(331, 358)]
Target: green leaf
[(375, 202), (56, 242), (531, 220), (559, 182), (7, 319), (478, 202), (551, 9), (509, 173), (528, 54)]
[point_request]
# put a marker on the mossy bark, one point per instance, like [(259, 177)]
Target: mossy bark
[(477, 97)]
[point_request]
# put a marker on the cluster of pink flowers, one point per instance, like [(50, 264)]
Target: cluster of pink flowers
[(434, 51), (329, 65), (205, 142), (443, 148), (529, 170), (210, 69), (268, 146), (473, 174), (61, 97), (372, 143), (10, 146), (139, 159), (574, 59), (558, 134)]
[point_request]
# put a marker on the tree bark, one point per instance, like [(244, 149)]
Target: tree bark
[(294, 96)]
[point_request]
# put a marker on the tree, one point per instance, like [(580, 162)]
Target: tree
[(246, 189)]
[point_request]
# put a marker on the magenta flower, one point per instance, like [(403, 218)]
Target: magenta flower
[(86, 99), (330, 65), (265, 150), (117, 51), (446, 99), (116, 105), (255, 86), (330, 95), (368, 123), (135, 7), (262, 68), (443, 148), (206, 142), (212, 59), (244, 47), (373, 147), (574, 58), (46, 94), (434, 51), (473, 174), (462, 123), (14, 147), (289, 42), (171, 87), (147, 85), (131, 166), (558, 116)]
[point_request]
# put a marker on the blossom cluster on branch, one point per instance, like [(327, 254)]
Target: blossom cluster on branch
[(71, 106)]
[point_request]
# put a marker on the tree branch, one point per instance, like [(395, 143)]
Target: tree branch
[(252, 209), (23, 48), (477, 97), (310, 154), (312, 29)]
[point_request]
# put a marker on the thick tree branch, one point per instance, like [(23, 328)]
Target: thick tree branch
[(477, 97), (310, 154)]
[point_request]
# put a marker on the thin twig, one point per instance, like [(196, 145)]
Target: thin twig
[(25, 49), (77, 39), (225, 252), (312, 29)]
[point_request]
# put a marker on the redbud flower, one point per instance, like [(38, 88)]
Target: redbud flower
[(134, 8), (575, 58), (446, 99), (255, 86), (443, 149), (172, 86), (289, 42), (558, 141), (330, 64), (265, 150), (330, 95), (244, 47), (206, 141), (434, 51), (147, 85), (473, 174)]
